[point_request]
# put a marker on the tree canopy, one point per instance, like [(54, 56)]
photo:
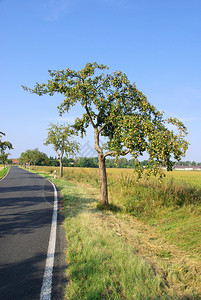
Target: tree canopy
[(35, 157), (117, 110), (29, 157), (61, 138)]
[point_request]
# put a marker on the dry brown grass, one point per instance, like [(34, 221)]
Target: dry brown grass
[(181, 272)]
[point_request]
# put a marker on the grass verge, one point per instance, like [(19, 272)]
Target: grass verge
[(101, 265), (113, 256), (3, 172), (173, 207)]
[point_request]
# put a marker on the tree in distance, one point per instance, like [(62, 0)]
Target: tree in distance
[(60, 137), (31, 157), (6, 145), (25, 158), (117, 110)]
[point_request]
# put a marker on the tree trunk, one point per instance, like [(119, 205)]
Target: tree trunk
[(103, 179), (61, 167)]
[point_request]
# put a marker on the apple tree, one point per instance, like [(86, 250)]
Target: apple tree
[(117, 110), (61, 139)]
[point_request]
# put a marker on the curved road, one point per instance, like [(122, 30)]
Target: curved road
[(26, 207)]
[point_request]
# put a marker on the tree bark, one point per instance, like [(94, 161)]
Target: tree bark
[(103, 179), (102, 169), (61, 166)]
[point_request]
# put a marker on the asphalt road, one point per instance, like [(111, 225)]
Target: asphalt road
[(26, 207)]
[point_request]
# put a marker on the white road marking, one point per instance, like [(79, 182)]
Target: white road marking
[(46, 289)]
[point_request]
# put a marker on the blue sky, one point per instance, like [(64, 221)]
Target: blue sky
[(156, 43)]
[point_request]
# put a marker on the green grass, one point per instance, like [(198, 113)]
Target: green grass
[(3, 172), (102, 264), (183, 228), (173, 206)]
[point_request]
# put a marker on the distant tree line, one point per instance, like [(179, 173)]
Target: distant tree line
[(188, 163), (35, 157)]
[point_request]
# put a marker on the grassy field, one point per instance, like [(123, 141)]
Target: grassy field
[(148, 247)]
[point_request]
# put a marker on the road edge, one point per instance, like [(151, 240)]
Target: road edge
[(46, 290)]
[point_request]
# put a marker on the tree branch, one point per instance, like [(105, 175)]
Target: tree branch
[(109, 153), (90, 118), (97, 146), (123, 153), (103, 127)]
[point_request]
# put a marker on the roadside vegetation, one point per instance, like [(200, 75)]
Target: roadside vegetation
[(4, 147), (147, 244), (100, 264), (3, 171)]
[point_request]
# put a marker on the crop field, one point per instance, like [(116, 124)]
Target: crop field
[(156, 226)]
